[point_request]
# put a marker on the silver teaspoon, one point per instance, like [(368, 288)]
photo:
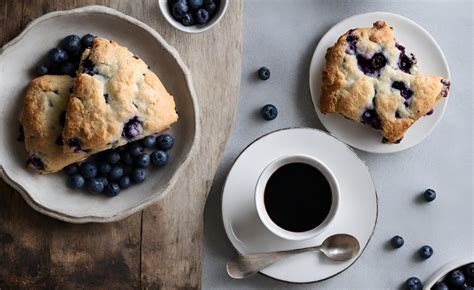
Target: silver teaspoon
[(339, 247)]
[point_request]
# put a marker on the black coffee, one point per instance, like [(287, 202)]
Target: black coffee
[(297, 197)]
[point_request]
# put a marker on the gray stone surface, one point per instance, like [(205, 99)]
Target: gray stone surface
[(282, 35)]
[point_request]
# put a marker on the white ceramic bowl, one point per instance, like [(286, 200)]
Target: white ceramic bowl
[(441, 272), (194, 28)]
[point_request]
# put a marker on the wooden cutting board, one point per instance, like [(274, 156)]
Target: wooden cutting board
[(160, 247)]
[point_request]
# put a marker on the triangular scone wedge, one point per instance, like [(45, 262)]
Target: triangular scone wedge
[(116, 99), (43, 118), (369, 79)]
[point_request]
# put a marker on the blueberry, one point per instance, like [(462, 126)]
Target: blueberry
[(95, 185), (36, 162), (397, 242), (149, 141), (440, 286), (457, 278), (68, 69), (112, 189), (202, 16), (370, 117), (195, 4), (103, 180), (72, 169), (71, 43), (413, 283), (179, 9), (269, 112), (188, 19), (104, 167), (112, 157), (263, 73), (429, 195), (132, 128), (135, 149), (371, 66), (159, 158), (116, 172), (57, 55), (87, 40), (405, 63), (469, 270), (126, 158), (211, 7), (425, 252), (165, 142), (143, 160), (125, 182), (138, 175), (75, 181), (88, 170), (41, 70)]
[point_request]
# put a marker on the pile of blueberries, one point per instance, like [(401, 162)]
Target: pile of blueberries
[(119, 168), (190, 12), (64, 59), (461, 278)]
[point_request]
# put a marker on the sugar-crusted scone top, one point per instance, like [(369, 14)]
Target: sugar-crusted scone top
[(116, 99), (370, 79)]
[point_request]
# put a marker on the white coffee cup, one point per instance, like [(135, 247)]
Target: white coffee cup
[(260, 191)]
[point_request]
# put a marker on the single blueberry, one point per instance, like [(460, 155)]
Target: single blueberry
[(469, 270), (126, 158), (425, 252), (138, 175), (269, 112), (149, 141), (211, 7), (36, 162), (68, 69), (71, 43), (188, 19), (370, 117), (95, 185), (413, 283), (41, 70), (112, 189), (116, 172), (195, 4), (57, 55), (104, 167), (89, 67), (159, 158), (263, 73), (87, 40), (125, 182), (430, 112), (397, 242), (179, 9), (104, 180), (88, 170), (405, 63), (378, 61), (72, 169), (132, 128), (112, 157), (457, 278), (429, 195), (202, 16), (135, 149), (143, 160), (76, 181), (165, 142), (440, 286)]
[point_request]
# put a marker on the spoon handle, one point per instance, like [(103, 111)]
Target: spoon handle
[(244, 266)]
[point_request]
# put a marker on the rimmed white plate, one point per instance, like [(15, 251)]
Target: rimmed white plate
[(431, 61), (356, 215), (49, 194)]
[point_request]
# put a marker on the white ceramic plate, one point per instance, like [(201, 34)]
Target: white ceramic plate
[(356, 215), (48, 193), (430, 58)]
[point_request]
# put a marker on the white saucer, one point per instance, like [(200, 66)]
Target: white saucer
[(357, 213), (430, 58)]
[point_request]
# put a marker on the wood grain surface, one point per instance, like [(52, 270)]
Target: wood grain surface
[(160, 247)]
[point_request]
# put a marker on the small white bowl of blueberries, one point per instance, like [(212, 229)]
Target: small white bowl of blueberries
[(193, 16)]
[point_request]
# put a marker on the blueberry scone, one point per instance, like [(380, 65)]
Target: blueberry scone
[(116, 99), (369, 78), (43, 118)]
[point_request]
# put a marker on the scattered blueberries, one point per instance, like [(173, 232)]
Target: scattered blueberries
[(429, 195), (88, 170), (264, 73), (72, 169), (165, 142), (413, 283), (112, 189), (159, 158), (269, 112), (95, 185), (76, 181), (425, 252), (397, 242), (138, 175), (457, 278), (191, 12)]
